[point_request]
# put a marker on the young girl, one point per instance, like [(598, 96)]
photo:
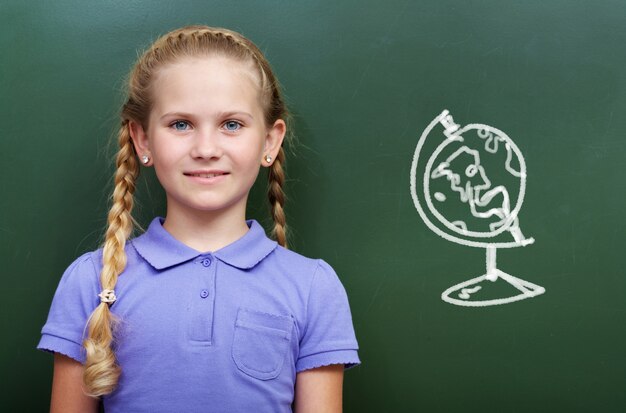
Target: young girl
[(202, 312)]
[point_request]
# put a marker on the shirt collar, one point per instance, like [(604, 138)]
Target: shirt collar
[(162, 250)]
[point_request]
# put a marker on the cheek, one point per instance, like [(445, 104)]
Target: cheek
[(250, 166), (249, 156), (164, 162), (161, 159), (165, 153), (163, 174)]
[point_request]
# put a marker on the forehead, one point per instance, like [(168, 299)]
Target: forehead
[(206, 82)]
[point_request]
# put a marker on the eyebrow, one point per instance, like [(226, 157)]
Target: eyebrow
[(236, 112), (220, 115), (177, 114)]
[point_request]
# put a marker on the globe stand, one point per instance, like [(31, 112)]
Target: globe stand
[(465, 289)]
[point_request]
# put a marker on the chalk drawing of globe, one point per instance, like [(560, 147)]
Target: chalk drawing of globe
[(468, 185), (461, 171)]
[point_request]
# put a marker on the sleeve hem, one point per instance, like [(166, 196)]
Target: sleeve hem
[(349, 358), (54, 344)]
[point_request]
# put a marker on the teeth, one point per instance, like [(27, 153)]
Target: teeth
[(206, 175)]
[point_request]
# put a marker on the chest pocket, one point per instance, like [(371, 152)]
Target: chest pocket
[(261, 342)]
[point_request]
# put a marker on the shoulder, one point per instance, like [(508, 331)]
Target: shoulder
[(80, 281), (82, 268), (314, 272), (91, 261), (293, 258), (85, 269), (300, 262)]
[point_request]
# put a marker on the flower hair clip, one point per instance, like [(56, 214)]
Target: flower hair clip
[(107, 296)]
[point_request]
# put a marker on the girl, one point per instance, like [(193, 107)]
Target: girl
[(202, 312)]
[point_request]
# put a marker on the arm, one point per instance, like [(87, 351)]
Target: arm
[(319, 390), (67, 388)]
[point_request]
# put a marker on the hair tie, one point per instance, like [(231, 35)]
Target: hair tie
[(107, 296)]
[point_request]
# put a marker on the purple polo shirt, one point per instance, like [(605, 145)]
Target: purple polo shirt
[(225, 331)]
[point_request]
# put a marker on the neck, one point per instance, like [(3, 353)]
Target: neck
[(206, 231)]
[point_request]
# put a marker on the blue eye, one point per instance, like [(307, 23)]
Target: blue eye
[(180, 125), (232, 125)]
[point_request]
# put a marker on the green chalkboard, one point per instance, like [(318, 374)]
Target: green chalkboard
[(364, 81)]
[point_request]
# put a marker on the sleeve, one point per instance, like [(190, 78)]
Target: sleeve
[(328, 337), (74, 300)]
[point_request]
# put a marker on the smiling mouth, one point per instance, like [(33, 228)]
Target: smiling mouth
[(208, 175)]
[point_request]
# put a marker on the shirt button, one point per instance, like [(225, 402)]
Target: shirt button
[(206, 262), (204, 293)]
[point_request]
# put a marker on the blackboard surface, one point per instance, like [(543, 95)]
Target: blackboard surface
[(363, 79)]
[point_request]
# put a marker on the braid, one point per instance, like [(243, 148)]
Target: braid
[(101, 372), (276, 196), (246, 45), (196, 40)]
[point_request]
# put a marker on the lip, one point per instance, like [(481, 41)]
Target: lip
[(193, 175)]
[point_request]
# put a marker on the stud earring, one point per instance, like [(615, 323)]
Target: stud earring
[(145, 159), (268, 158)]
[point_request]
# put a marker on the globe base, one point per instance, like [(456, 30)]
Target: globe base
[(461, 294)]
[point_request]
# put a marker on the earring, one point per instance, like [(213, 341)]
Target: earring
[(145, 159), (268, 158)]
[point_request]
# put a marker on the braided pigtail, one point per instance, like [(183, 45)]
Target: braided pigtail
[(276, 197), (101, 372)]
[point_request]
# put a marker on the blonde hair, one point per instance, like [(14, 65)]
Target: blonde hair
[(101, 372)]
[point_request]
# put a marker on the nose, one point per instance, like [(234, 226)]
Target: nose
[(206, 144)]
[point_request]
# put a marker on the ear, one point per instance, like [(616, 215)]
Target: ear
[(273, 141), (140, 141)]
